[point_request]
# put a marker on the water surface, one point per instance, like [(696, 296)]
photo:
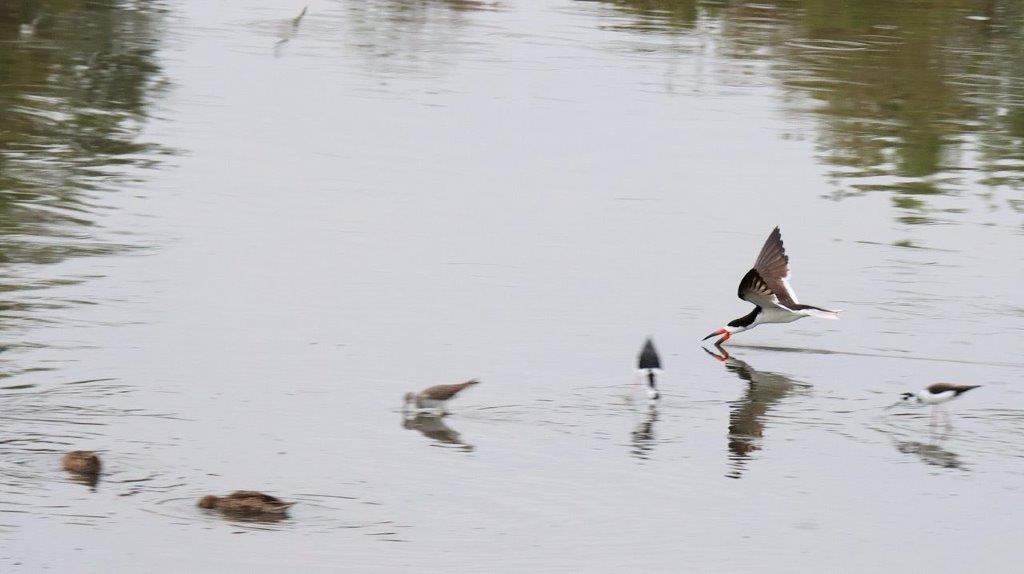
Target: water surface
[(232, 238)]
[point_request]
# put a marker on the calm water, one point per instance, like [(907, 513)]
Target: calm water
[(231, 241)]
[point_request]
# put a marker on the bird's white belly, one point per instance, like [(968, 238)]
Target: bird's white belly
[(422, 403), (777, 315), (930, 399)]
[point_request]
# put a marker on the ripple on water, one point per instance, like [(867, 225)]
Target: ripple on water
[(821, 44), (40, 423), (972, 437), (314, 513)]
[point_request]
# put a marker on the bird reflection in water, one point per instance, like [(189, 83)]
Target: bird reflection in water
[(931, 454), (746, 419), (434, 428), (286, 31), (642, 437)]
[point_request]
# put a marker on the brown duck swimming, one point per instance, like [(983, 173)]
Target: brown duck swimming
[(81, 462), (437, 397), (248, 502)]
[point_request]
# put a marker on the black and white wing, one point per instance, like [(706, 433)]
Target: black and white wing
[(767, 284), (754, 289)]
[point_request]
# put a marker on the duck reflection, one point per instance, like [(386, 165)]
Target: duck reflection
[(746, 417), (642, 437), (434, 428), (90, 480)]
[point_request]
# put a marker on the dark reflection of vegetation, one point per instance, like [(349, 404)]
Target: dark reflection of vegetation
[(402, 36), (746, 416), (915, 99), (76, 78)]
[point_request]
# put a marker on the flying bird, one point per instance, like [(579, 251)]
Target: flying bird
[(649, 364), (767, 287)]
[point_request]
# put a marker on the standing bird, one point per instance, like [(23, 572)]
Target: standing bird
[(937, 394), (767, 287), (436, 397), (649, 364)]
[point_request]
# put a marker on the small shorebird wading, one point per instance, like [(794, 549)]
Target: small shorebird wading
[(767, 287), (436, 398), (649, 365), (937, 394)]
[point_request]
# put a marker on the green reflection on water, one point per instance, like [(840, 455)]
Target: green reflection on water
[(76, 79), (916, 99), (410, 39)]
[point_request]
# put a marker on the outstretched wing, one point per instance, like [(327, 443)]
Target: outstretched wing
[(772, 266), (755, 289)]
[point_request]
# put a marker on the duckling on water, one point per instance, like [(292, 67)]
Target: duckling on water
[(81, 462), (246, 502)]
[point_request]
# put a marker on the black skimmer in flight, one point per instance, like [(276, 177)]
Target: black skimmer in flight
[(436, 398), (649, 364), (767, 287)]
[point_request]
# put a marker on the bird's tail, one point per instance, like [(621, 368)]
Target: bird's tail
[(820, 313)]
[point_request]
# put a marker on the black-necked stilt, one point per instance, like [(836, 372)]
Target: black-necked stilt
[(936, 395), (649, 364), (436, 397), (767, 287)]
